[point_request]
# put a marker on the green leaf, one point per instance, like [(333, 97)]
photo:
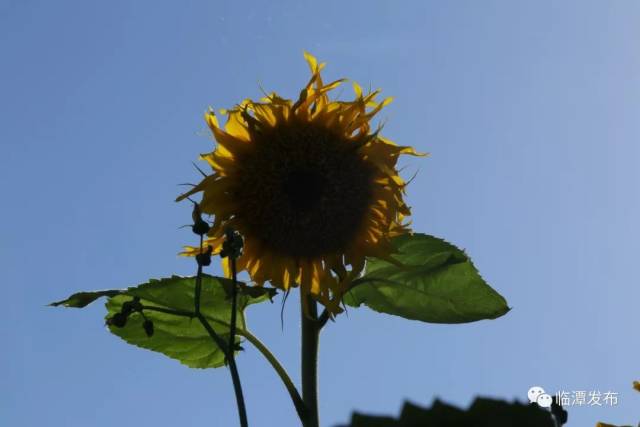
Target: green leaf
[(83, 299), (178, 336), (431, 280), (482, 413)]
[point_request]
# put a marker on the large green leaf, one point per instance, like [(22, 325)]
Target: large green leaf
[(177, 336), (431, 280)]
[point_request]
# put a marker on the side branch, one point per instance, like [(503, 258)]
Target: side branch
[(255, 341)]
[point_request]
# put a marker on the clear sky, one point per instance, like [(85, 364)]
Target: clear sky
[(530, 111)]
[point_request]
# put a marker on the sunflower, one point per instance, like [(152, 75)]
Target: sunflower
[(310, 186)]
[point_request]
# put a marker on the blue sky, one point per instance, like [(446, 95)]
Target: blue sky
[(530, 111)]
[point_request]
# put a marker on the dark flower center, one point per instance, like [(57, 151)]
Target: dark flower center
[(302, 190)]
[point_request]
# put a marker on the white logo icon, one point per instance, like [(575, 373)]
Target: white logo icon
[(534, 393), (537, 395), (544, 400)]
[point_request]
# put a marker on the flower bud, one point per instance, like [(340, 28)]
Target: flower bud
[(200, 226), (204, 258), (232, 246), (118, 320), (148, 327)]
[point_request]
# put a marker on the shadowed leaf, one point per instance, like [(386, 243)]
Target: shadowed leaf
[(482, 413), (178, 336)]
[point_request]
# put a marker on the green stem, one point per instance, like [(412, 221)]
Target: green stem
[(235, 376), (301, 409), (234, 306), (231, 348), (309, 356), (255, 341), (323, 318), (228, 351), (198, 290)]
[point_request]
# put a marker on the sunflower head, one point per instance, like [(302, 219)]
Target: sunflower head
[(310, 186)]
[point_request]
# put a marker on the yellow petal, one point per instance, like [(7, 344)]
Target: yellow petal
[(312, 61), (236, 125), (357, 89)]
